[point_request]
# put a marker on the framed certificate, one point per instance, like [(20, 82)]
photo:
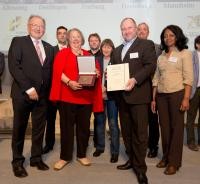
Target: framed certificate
[(86, 67), (117, 76)]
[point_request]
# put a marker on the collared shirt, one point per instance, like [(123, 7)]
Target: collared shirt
[(41, 47), (61, 46), (126, 47), (43, 57), (174, 71)]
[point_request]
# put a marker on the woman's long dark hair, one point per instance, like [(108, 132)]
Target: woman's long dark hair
[(181, 39)]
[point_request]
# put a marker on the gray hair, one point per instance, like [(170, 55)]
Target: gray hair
[(76, 29), (37, 16), (128, 18), (145, 24)]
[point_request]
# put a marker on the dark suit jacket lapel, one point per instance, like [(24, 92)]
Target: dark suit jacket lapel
[(32, 48), (46, 52), (56, 48), (119, 53)]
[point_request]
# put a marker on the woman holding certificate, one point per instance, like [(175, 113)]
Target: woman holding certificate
[(171, 91), (75, 101)]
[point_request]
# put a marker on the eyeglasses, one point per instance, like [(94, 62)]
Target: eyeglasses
[(35, 26)]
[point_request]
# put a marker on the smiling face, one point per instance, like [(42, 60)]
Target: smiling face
[(169, 38), (62, 36), (128, 29), (143, 31), (107, 50), (36, 27), (75, 39), (94, 43)]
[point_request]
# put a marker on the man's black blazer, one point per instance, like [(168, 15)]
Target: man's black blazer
[(141, 57), (2, 63), (55, 50), (25, 67)]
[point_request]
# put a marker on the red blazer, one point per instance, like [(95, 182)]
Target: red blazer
[(66, 62)]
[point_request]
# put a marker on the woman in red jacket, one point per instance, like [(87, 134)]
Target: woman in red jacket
[(75, 102)]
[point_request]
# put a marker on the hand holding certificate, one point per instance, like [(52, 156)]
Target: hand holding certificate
[(117, 76), (86, 66)]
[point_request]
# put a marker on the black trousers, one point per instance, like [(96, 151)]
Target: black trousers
[(71, 115), (153, 130), (22, 109), (134, 128), (50, 126), (172, 126), (191, 116)]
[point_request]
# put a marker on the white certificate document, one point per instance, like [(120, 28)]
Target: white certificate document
[(117, 76)]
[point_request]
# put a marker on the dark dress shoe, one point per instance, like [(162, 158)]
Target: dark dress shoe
[(125, 166), (40, 165), (114, 158), (19, 171), (170, 170), (97, 153), (142, 178), (47, 149), (152, 153), (162, 164), (193, 147)]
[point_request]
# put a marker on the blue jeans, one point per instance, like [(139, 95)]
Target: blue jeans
[(112, 114), (111, 111), (99, 130)]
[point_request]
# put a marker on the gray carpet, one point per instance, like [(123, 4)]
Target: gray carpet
[(100, 172)]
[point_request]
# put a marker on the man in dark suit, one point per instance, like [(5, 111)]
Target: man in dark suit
[(2, 66), (30, 63), (143, 33), (133, 101), (61, 35)]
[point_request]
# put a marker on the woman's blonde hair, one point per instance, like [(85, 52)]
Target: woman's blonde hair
[(77, 30)]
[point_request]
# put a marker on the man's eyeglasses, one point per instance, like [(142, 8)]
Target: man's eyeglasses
[(35, 26)]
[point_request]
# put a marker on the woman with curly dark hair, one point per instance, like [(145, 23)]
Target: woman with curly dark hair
[(171, 91)]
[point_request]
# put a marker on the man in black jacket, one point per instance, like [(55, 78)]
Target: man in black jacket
[(30, 63), (143, 33), (61, 35), (133, 101)]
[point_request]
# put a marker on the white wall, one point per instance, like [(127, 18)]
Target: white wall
[(101, 16)]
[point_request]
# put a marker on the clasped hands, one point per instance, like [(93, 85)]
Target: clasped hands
[(33, 95), (74, 85)]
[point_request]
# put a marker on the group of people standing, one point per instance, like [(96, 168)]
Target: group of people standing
[(46, 80)]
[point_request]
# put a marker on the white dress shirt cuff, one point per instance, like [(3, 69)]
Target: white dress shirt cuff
[(30, 90)]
